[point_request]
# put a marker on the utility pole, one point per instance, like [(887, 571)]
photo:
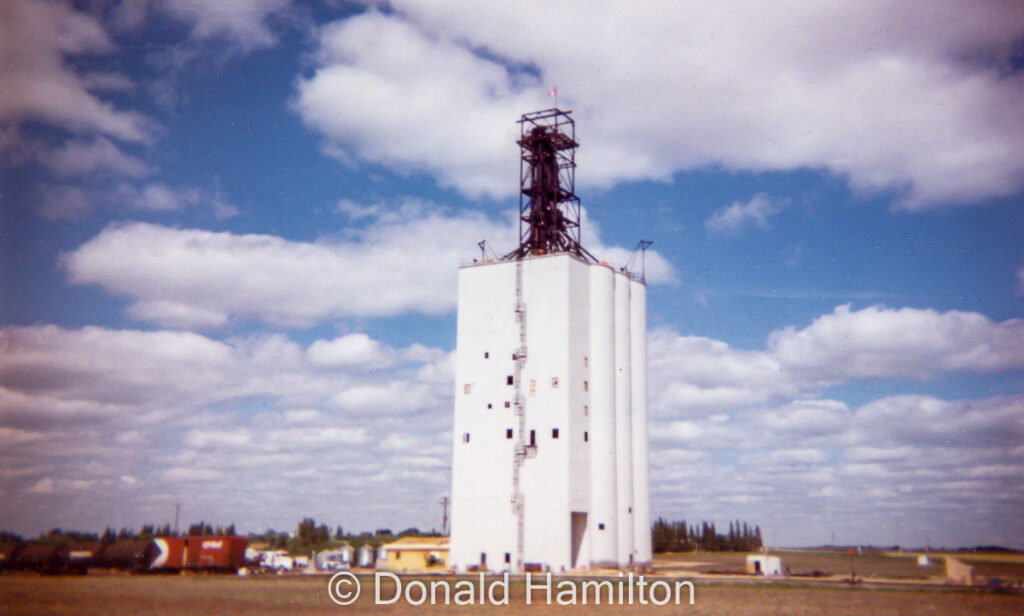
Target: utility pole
[(177, 513), (444, 515)]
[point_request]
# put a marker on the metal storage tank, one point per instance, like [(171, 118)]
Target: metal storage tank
[(81, 556), (638, 372), (41, 558), (604, 525), (346, 553), (127, 555), (7, 553), (623, 420), (364, 556)]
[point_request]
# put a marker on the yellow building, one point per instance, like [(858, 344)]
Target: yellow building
[(417, 555)]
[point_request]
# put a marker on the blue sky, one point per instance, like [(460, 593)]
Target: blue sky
[(231, 232)]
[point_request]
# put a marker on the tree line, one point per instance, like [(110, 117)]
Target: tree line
[(146, 532), (310, 536), (677, 536), (307, 537)]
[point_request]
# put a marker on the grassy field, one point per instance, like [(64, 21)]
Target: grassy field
[(272, 595)]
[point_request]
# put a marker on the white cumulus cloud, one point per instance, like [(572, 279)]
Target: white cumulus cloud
[(914, 98), (692, 375), (214, 424), (36, 82), (737, 215), (448, 111), (878, 342), (196, 278)]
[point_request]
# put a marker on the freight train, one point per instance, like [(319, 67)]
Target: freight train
[(161, 555)]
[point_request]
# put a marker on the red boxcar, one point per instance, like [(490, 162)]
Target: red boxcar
[(200, 553)]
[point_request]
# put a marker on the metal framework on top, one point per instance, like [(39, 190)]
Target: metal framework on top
[(549, 210)]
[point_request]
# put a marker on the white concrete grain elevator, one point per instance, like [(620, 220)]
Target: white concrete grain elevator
[(550, 460)]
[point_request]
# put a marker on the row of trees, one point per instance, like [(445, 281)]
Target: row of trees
[(667, 536), (677, 536), (310, 536), (110, 534)]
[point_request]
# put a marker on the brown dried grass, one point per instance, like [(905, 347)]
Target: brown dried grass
[(229, 596)]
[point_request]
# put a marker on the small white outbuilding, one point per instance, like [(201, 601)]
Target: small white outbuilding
[(365, 556), (762, 564)]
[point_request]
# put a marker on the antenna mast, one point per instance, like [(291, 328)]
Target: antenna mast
[(444, 515), (641, 248)]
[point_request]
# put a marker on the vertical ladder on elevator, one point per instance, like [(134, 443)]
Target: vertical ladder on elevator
[(520, 451)]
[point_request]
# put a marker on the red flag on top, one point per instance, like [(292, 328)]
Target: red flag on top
[(553, 91)]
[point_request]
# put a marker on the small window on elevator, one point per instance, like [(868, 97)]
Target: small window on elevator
[(554, 433), (586, 362), (586, 411), (508, 433), (465, 437), (586, 386), (509, 380), (533, 438), (508, 558), (508, 404), (600, 526), (489, 405), (486, 355), (467, 388), (554, 382), (586, 437)]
